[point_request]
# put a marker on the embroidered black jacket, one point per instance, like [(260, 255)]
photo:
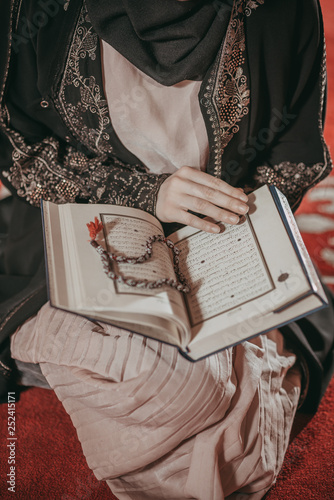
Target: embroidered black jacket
[(262, 101)]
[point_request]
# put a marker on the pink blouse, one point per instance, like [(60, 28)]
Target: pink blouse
[(162, 126)]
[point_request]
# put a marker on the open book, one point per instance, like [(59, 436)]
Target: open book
[(246, 280)]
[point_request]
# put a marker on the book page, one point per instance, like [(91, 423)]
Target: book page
[(76, 267), (288, 294), (206, 344), (151, 326), (224, 270), (127, 236), (125, 232)]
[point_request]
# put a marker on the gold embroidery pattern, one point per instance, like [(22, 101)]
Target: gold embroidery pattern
[(127, 187), (58, 173), (252, 4), (227, 97), (294, 179), (91, 107), (41, 172), (36, 172)]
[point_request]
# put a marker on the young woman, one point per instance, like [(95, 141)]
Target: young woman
[(177, 108)]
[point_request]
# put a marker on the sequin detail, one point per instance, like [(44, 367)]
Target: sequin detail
[(294, 179), (36, 172), (90, 106), (57, 172), (50, 170), (227, 94)]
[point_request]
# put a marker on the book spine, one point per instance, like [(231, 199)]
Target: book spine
[(291, 226)]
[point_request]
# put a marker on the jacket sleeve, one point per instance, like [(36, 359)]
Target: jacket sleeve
[(51, 170), (293, 67), (37, 159)]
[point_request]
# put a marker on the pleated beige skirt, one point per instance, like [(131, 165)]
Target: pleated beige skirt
[(156, 426)]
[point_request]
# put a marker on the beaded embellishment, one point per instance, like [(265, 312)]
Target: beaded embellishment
[(86, 115), (227, 94)]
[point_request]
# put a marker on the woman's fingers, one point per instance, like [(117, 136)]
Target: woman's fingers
[(204, 179), (201, 206), (202, 196), (190, 190), (204, 225)]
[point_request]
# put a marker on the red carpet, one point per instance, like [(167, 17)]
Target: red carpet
[(49, 464), (308, 470)]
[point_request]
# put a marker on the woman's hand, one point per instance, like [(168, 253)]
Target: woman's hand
[(197, 191)]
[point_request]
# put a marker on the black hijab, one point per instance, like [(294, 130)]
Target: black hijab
[(168, 40)]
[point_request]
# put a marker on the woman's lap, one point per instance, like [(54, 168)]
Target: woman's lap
[(155, 425)]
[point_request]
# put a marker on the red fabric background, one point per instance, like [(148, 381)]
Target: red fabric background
[(49, 460)]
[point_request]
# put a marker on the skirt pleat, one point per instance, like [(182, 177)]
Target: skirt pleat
[(157, 426)]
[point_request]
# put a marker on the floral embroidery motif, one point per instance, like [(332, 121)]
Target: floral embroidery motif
[(227, 97), (37, 174), (252, 4), (293, 179), (126, 187), (91, 106), (41, 172), (56, 172)]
